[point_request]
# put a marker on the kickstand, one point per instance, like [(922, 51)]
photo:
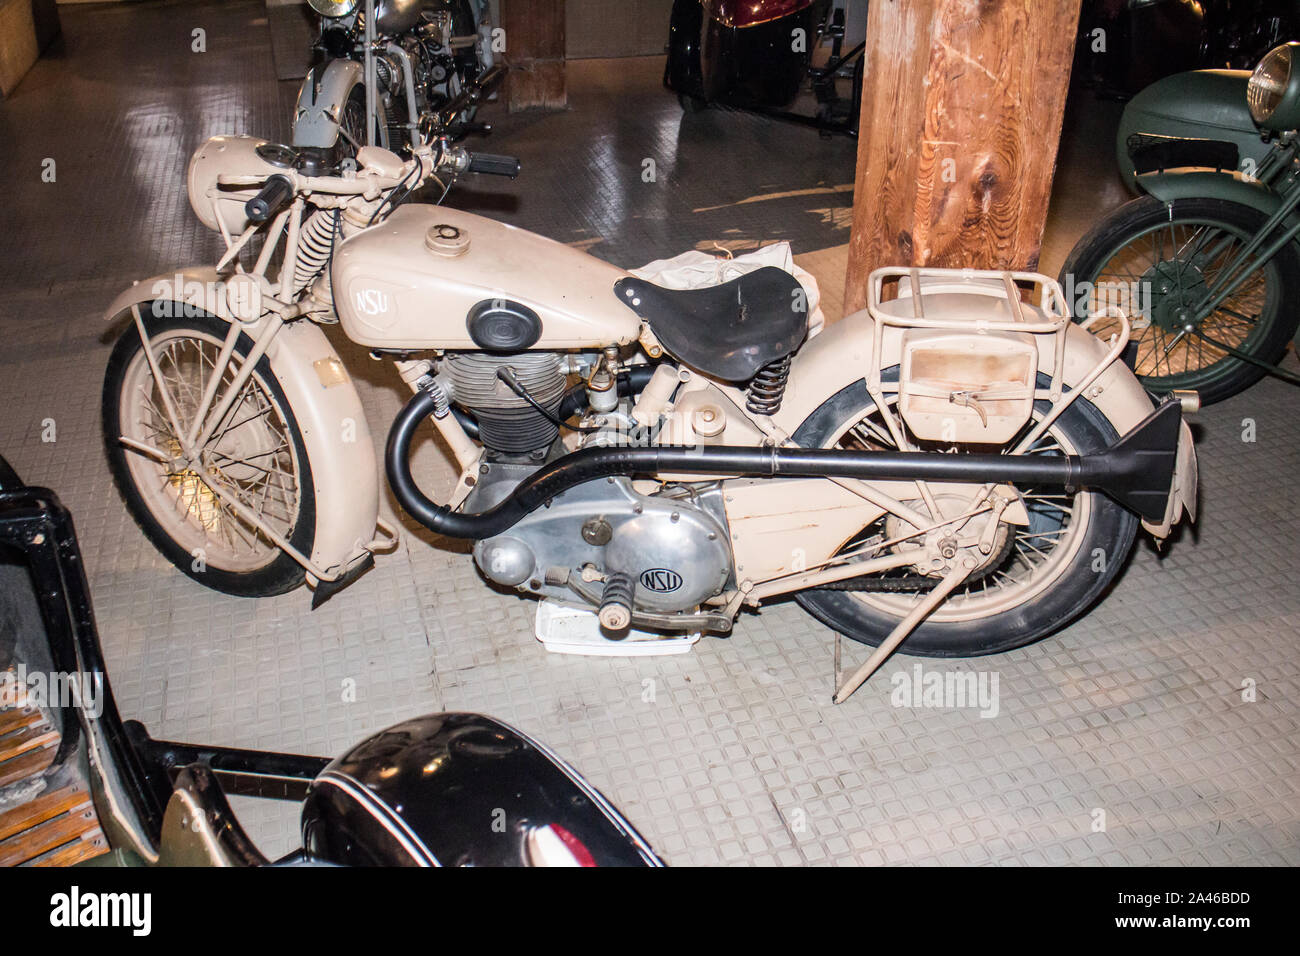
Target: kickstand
[(839, 674), (950, 582)]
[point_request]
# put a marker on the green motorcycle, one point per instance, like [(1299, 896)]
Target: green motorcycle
[(1206, 263)]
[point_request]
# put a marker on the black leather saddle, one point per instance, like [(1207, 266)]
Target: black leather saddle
[(729, 331)]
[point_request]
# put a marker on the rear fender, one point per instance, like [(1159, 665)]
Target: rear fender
[(325, 403), (841, 355)]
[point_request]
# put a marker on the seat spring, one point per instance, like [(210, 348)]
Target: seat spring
[(767, 388)]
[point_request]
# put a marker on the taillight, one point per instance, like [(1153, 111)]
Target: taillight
[(553, 845)]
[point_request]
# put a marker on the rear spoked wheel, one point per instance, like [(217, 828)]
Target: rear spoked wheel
[(1035, 579)]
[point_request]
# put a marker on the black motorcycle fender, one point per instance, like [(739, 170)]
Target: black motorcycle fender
[(458, 789)]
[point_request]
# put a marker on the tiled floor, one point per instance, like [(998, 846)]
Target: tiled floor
[(1124, 739)]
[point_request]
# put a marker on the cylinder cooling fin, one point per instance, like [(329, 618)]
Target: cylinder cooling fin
[(507, 422)]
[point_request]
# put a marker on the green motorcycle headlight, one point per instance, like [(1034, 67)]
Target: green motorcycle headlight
[(333, 8), (1273, 92)]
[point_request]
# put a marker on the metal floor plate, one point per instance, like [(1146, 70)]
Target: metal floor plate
[(1124, 739)]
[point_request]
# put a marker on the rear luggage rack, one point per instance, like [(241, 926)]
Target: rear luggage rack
[(1012, 327)]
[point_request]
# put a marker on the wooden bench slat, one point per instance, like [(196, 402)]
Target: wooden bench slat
[(44, 807), (25, 740), (42, 839), (14, 719), (27, 765), (92, 843)]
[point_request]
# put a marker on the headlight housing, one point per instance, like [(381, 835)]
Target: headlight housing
[(1273, 92), (333, 8)]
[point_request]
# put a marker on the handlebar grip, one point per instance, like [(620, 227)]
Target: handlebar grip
[(493, 164), (277, 191)]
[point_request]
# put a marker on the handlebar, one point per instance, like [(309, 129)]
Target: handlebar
[(277, 191), (376, 178), (491, 78), (493, 164), (474, 91)]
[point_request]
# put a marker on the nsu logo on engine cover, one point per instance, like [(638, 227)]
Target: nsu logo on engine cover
[(661, 580)]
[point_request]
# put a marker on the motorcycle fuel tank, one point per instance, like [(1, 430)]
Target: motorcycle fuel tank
[(416, 280), (397, 16)]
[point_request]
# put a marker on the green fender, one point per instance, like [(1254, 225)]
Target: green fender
[(1209, 185), (1201, 104)]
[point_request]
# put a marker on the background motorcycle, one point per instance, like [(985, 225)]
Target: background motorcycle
[(757, 55), (1126, 45), (614, 438), (392, 73), (1211, 248), (379, 804)]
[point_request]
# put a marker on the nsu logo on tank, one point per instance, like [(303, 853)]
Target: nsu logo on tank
[(372, 301)]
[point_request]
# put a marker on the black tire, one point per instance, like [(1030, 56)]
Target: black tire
[(692, 104), (281, 573), (1110, 528), (1218, 375)]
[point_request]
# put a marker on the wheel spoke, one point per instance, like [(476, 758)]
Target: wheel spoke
[(250, 456)]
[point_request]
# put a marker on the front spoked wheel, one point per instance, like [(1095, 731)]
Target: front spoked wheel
[(215, 516), (1035, 578), (1156, 260)]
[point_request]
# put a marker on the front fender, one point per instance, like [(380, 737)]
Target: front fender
[(320, 104), (334, 429), (418, 793), (1168, 187), (324, 402), (197, 286)]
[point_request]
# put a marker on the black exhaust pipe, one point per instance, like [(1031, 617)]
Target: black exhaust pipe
[(1137, 471)]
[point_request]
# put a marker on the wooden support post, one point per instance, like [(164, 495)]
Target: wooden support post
[(534, 35), (962, 102)]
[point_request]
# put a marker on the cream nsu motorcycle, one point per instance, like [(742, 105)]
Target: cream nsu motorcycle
[(959, 462)]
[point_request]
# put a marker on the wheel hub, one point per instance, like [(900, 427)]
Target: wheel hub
[(943, 549), (1171, 288)]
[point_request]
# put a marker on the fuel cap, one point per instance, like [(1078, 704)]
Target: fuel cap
[(446, 240)]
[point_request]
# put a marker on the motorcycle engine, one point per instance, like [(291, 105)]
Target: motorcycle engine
[(671, 541), (672, 545), (509, 424)]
